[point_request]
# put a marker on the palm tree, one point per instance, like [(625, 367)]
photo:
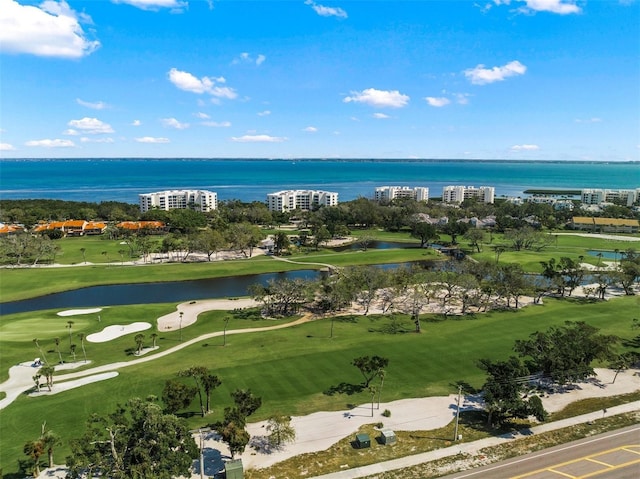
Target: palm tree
[(70, 326), (139, 339), (47, 372), (81, 336), (34, 449), (36, 379), (49, 440), (209, 383), (57, 341), (154, 338), (72, 348), (381, 373), (84, 256), (44, 358)]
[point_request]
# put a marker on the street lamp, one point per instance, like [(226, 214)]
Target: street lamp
[(455, 433), (181, 313)]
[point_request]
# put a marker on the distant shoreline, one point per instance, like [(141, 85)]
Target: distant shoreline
[(339, 160)]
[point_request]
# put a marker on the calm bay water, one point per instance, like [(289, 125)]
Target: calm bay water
[(250, 180)]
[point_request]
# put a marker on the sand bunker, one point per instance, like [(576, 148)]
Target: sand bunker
[(65, 386), (74, 312), (115, 331)]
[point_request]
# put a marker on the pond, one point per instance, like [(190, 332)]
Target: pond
[(607, 255), (164, 292)]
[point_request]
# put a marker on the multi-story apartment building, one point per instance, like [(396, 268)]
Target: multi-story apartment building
[(388, 193), (199, 200), (305, 200), (457, 194), (596, 196)]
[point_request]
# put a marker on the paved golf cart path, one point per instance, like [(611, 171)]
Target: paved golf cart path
[(21, 376)]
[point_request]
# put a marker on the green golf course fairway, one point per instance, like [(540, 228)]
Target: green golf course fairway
[(292, 369)]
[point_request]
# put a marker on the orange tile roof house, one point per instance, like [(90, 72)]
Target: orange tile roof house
[(72, 227), (149, 226), (10, 229), (605, 225)]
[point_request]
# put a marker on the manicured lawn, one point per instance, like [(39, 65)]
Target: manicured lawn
[(291, 369), (31, 282)]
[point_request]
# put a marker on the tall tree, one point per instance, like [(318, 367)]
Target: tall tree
[(34, 449), (280, 430), (57, 343), (504, 390), (566, 353), (205, 384), (424, 231), (177, 396), (50, 440), (47, 372), (81, 336), (136, 441), (232, 427), (370, 366), (69, 327), (139, 339)]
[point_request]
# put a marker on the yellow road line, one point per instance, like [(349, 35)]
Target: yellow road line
[(589, 458)]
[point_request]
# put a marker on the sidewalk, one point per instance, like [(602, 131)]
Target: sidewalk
[(473, 447)]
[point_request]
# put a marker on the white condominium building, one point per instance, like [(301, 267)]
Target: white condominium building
[(300, 199), (199, 200), (388, 193), (457, 194), (598, 196)]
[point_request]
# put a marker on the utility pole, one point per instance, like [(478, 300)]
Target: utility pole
[(201, 454), (455, 433)]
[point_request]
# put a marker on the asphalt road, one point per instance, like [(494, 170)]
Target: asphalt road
[(612, 455)]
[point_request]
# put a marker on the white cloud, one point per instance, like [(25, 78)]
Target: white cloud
[(264, 113), (437, 101), (57, 143), (245, 57), (97, 105), (155, 4), (151, 139), (525, 147), (379, 98), (202, 116), (50, 30), (217, 124), (136, 123), (258, 139), (6, 147), (326, 11), (173, 123), (310, 129), (380, 116), (461, 98), (84, 139), (562, 7), (188, 82), (589, 120), (481, 75), (90, 126)]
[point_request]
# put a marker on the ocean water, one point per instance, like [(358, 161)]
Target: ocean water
[(123, 179)]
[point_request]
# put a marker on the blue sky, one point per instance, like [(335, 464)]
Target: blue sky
[(512, 79)]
